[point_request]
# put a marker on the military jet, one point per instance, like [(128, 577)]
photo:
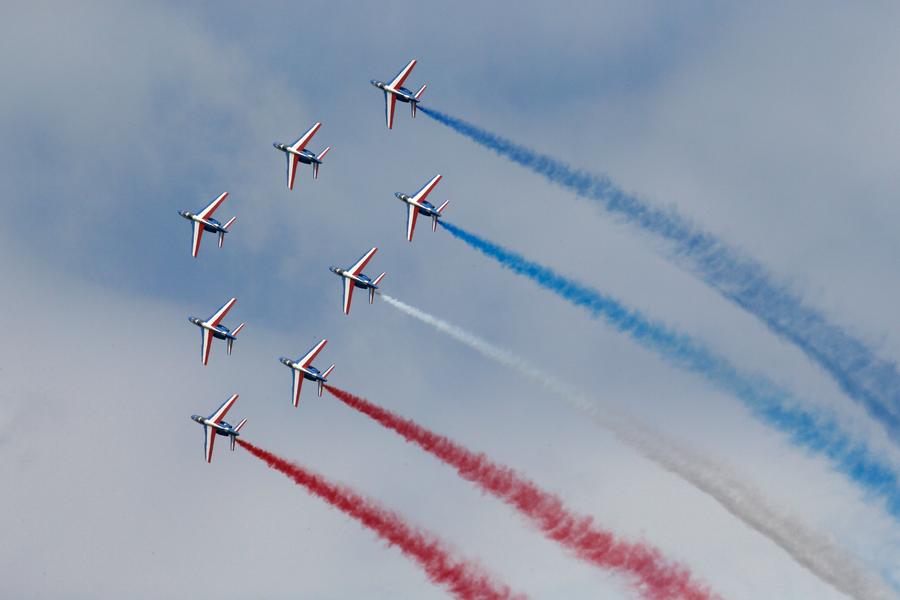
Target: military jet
[(212, 328), (353, 277), (394, 91), (417, 204), (214, 425), (302, 369), (297, 152), (203, 221)]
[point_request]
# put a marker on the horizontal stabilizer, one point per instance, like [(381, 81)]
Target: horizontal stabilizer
[(328, 372), (441, 208), (230, 222), (421, 90), (240, 425), (378, 279), (237, 330), (324, 152)]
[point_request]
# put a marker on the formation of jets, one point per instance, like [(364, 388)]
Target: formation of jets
[(351, 277)]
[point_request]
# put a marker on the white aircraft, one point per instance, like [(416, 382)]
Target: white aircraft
[(214, 425), (353, 277), (212, 328), (297, 152), (203, 221), (302, 369), (394, 91), (417, 204)]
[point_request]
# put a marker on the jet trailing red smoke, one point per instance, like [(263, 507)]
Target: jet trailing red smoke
[(462, 578), (655, 577)]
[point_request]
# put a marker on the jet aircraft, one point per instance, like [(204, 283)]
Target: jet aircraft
[(353, 277), (212, 328), (297, 152), (417, 204), (203, 221), (302, 369), (394, 91), (214, 425)]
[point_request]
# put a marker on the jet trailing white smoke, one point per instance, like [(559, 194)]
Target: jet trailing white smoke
[(811, 549)]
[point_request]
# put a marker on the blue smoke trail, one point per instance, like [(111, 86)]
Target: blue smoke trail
[(868, 379), (764, 399)]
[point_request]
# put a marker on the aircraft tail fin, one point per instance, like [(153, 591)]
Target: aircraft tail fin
[(317, 162), (221, 238), (328, 371), (437, 214), (229, 345), (321, 386)]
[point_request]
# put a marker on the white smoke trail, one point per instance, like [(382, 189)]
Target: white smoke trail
[(809, 548)]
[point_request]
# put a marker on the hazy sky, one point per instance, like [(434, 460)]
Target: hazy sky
[(774, 125)]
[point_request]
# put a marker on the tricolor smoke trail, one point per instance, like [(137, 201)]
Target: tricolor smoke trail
[(817, 433), (868, 379), (656, 577), (462, 578), (739, 497)]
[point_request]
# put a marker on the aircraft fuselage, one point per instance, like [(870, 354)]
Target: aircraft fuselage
[(223, 428), (402, 94), (361, 281), (220, 332), (304, 156), (211, 225), (426, 208), (309, 373)]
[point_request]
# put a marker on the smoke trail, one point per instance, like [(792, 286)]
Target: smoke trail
[(868, 379), (462, 578), (813, 551), (770, 404), (657, 578)]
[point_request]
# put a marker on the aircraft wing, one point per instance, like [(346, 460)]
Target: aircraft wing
[(357, 268), (426, 189), (220, 314), (348, 295), (390, 102), (402, 75), (197, 234), (206, 344), (292, 160), (298, 381), (300, 144), (412, 211), (311, 355), (220, 413), (212, 206), (209, 441)]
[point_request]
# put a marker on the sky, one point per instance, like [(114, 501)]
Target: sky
[(772, 124)]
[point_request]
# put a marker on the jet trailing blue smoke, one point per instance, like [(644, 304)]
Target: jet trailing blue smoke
[(868, 379), (774, 406)]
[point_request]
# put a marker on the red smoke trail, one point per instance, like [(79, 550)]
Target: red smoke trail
[(462, 578), (656, 577)]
